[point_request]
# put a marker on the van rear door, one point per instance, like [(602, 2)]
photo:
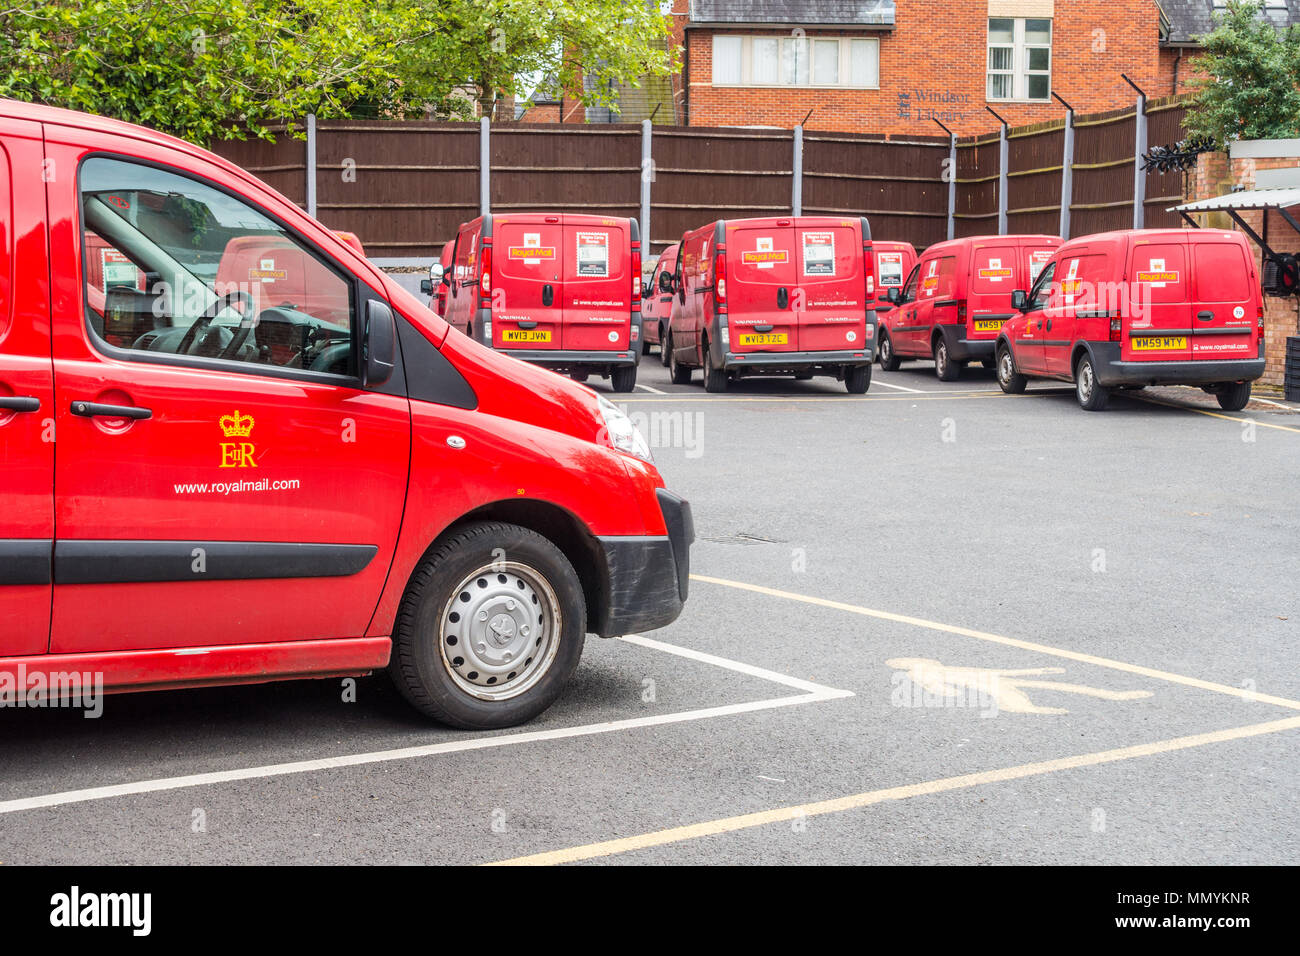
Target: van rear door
[(761, 287), (1159, 320), (1223, 298), (996, 271), (831, 300), (597, 284), (527, 310)]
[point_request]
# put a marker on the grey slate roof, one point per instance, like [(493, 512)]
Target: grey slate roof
[(1189, 19), (810, 12)]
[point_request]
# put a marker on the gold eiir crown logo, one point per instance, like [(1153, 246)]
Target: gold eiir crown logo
[(237, 425)]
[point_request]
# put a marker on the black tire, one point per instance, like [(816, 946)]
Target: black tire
[(989, 363), (944, 366), (623, 378), (419, 667), (645, 347), (858, 379), (1233, 396), (715, 379), (803, 376), (889, 360), (681, 374), (1009, 380), (663, 346), (579, 376), (1092, 396)]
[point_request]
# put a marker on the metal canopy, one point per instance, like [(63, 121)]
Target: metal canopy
[(1246, 199)]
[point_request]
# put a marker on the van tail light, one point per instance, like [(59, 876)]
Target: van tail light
[(485, 279), (1259, 320), (720, 277), (869, 270), (961, 312), (636, 276), (1115, 328)]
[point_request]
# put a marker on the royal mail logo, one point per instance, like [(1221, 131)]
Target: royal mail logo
[(532, 253), (237, 454), (761, 256), (999, 273), (1161, 275)]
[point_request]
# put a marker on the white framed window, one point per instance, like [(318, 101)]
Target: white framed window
[(1020, 59), (849, 62)]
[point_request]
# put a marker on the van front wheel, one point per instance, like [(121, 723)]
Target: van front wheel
[(663, 346), (1233, 396), (623, 378), (681, 374), (889, 360), (491, 628), (1092, 396), (1009, 380)]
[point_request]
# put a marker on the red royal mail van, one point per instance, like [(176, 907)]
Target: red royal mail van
[(1141, 307), (956, 299), (439, 276), (894, 262), (555, 289), (778, 296), (657, 302), (273, 462)]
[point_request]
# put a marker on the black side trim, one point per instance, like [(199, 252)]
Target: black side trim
[(120, 562), (430, 376), (25, 560), (642, 588)]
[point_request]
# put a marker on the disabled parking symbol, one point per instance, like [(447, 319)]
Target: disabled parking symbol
[(934, 684)]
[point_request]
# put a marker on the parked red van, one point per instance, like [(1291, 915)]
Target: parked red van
[(252, 486), (776, 296), (957, 298), (559, 290), (657, 303), (439, 278), (1141, 307), (894, 263)]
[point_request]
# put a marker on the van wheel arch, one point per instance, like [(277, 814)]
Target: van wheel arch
[(557, 525), (1079, 352)]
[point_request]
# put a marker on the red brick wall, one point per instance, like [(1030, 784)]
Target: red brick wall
[(938, 50)]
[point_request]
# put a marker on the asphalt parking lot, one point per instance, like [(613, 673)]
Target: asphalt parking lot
[(933, 624)]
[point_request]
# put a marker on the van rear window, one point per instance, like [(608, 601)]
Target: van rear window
[(994, 271), (1221, 272), (1162, 269)]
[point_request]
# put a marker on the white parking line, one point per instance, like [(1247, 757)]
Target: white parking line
[(901, 388), (813, 693), (652, 391)]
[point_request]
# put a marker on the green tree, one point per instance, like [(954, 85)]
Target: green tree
[(210, 69), (493, 50), (1251, 76)]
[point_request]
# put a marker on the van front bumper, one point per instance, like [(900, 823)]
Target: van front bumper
[(565, 359), (773, 362), (646, 578), (1112, 371)]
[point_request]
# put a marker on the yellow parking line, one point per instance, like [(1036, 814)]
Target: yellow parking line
[(858, 800), (1206, 411), (1008, 641)]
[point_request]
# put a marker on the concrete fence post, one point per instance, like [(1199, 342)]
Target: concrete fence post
[(647, 176), (311, 165), (1139, 174), (1067, 174), (796, 189), (484, 166), (1004, 163)]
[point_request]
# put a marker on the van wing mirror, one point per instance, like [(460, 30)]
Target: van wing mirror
[(665, 282), (378, 345), (893, 295), (1020, 300)]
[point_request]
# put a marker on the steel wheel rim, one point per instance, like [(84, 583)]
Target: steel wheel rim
[(1004, 368), (1085, 380), (499, 631), (941, 357), (884, 349)]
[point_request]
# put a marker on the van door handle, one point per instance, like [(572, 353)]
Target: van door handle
[(1205, 316), (526, 325), (548, 295), (20, 403), (763, 328), (782, 297), (95, 410), (1049, 325)]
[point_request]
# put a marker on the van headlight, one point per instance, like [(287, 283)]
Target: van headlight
[(620, 431)]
